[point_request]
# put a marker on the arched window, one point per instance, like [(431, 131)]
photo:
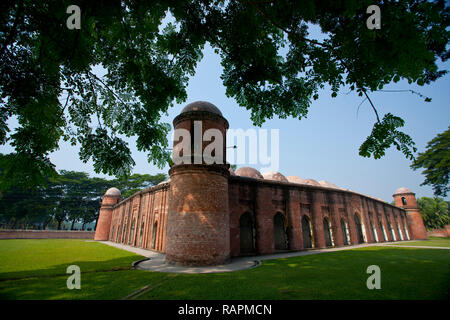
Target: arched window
[(359, 229), (406, 231), (123, 239), (306, 232), (399, 232), (404, 201), (131, 236), (279, 232), (119, 230), (392, 232), (383, 230), (155, 228), (345, 232), (374, 232), (111, 238), (140, 234), (327, 232), (372, 228), (246, 234)]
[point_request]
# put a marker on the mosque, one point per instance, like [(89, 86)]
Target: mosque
[(206, 213)]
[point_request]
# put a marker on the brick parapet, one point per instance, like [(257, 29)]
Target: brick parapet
[(45, 234)]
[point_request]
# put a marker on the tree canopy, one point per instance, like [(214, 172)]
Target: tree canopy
[(70, 196), (272, 66), (434, 212), (436, 162)]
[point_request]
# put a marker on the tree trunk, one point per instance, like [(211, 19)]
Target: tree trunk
[(46, 222), (73, 222), (59, 224), (96, 221)]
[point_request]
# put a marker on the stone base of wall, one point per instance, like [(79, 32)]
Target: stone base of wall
[(46, 234), (444, 232)]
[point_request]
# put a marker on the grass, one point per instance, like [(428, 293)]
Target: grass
[(432, 242), (47, 258), (35, 269)]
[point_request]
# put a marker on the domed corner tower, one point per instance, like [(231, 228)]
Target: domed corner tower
[(406, 199), (198, 231), (110, 198)]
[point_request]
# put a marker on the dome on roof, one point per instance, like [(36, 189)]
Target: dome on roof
[(272, 175), (231, 171), (311, 182), (165, 181), (113, 192), (248, 172), (201, 106), (328, 184), (294, 179), (402, 190)]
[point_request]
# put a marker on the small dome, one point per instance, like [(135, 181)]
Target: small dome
[(402, 190), (165, 181), (113, 192), (249, 172), (311, 182), (294, 179), (201, 106), (274, 176), (328, 184), (231, 172)]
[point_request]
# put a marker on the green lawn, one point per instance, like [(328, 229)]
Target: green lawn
[(36, 269), (432, 242)]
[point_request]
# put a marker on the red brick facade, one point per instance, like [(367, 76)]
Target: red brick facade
[(141, 220), (406, 199), (444, 232), (204, 215)]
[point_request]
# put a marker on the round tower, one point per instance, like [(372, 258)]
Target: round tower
[(198, 231), (111, 198), (406, 199)]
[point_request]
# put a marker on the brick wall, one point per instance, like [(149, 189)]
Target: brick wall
[(263, 199), (141, 219), (444, 232), (198, 231), (46, 234)]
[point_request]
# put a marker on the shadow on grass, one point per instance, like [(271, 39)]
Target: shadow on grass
[(94, 286), (123, 263), (406, 273)]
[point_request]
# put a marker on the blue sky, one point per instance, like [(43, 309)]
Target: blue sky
[(323, 146)]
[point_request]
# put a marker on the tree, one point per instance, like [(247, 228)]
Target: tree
[(436, 162), (137, 182), (148, 49), (434, 212), (70, 196)]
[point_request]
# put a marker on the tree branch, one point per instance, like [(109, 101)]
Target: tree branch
[(107, 88), (371, 104), (317, 43), (95, 97), (13, 29)]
